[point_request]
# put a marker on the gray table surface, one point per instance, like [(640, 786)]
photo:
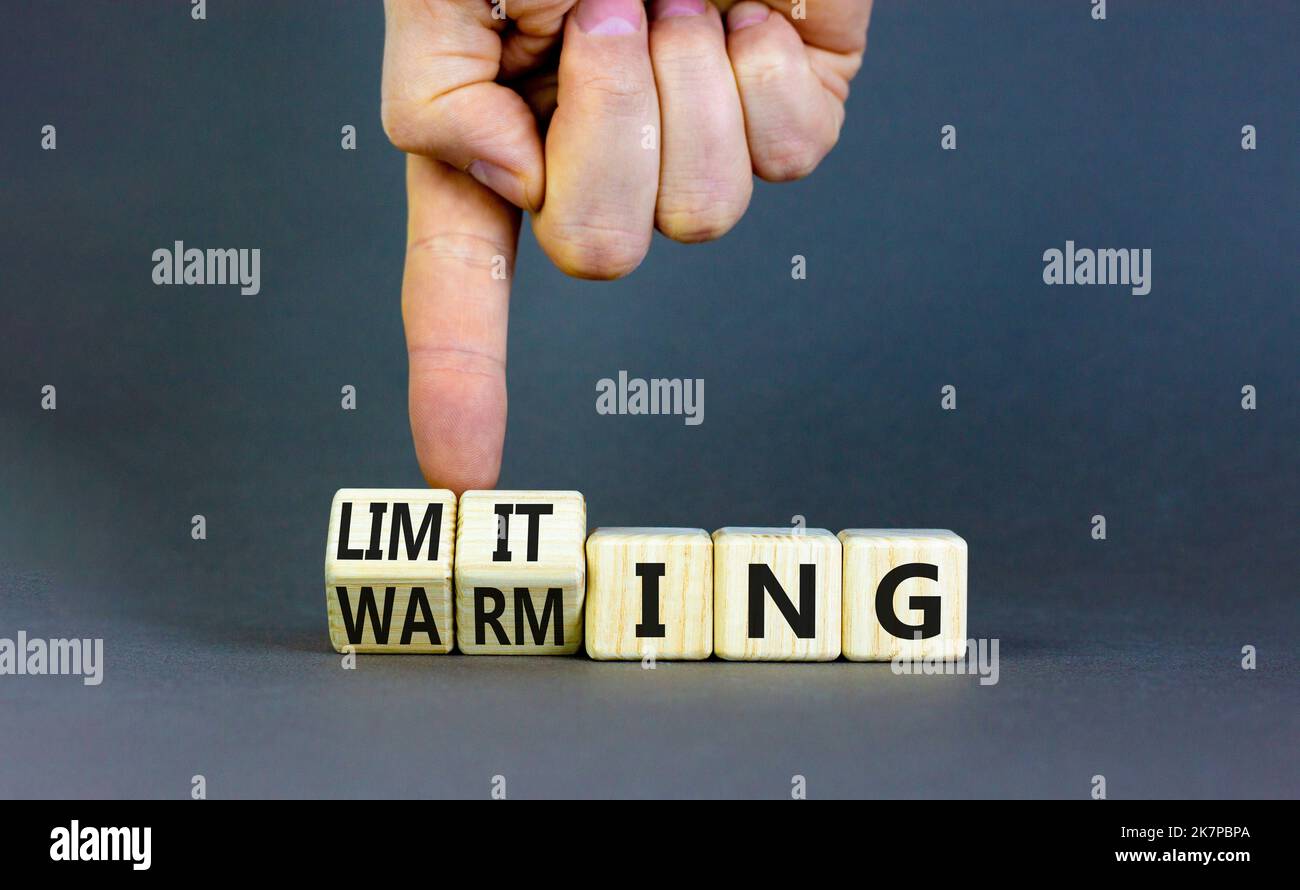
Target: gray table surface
[(258, 705)]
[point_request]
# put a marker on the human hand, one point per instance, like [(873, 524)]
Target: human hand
[(657, 123)]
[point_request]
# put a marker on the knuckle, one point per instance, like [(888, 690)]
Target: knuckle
[(397, 124), (614, 90), (764, 67), (788, 157), (441, 359), (694, 215), (690, 52), (463, 248), (588, 251)]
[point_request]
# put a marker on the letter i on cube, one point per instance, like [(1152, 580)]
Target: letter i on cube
[(520, 572), (649, 593)]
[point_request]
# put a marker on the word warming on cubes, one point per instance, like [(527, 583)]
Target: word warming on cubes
[(515, 573)]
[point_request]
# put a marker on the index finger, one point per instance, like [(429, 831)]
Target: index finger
[(460, 254)]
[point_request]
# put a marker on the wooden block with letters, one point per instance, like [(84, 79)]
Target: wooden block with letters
[(776, 594), (388, 570), (520, 572), (904, 594), (649, 593)]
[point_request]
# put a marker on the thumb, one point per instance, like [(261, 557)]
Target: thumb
[(460, 255), (439, 98)]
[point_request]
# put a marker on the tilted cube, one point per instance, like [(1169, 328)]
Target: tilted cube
[(520, 572), (388, 570)]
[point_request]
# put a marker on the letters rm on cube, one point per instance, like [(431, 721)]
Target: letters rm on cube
[(388, 570), (904, 594), (776, 594), (650, 593), (520, 572)]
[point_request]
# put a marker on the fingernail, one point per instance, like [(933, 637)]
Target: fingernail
[(610, 16), (746, 18), (668, 9), (500, 180)]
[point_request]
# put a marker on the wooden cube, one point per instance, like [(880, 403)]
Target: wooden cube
[(388, 570), (899, 583), (650, 593), (776, 594), (520, 572)]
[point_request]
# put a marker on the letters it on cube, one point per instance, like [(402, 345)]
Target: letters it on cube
[(388, 570), (900, 584), (649, 593), (776, 594), (520, 572)]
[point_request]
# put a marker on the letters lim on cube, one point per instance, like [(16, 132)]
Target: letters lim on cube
[(388, 570), (520, 572)]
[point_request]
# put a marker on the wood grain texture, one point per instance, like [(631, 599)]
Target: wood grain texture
[(784, 551), (680, 561), (390, 577), (509, 593), (869, 555)]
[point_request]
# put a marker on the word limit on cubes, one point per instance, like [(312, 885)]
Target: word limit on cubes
[(515, 573)]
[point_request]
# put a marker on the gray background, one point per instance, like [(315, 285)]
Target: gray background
[(822, 399)]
